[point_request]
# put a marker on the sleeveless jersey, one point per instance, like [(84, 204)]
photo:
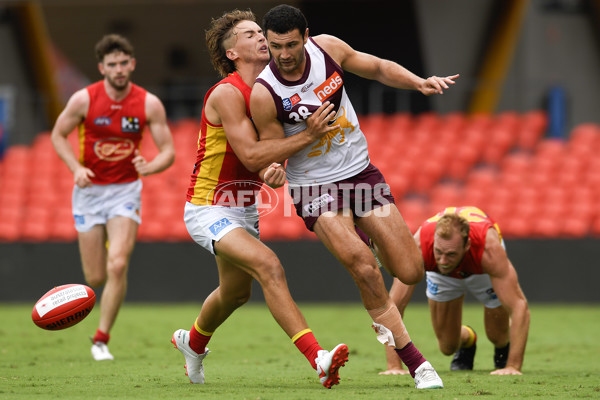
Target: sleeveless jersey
[(341, 153), (479, 224), (110, 133), (219, 177)]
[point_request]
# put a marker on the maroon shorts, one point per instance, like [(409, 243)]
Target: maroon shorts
[(358, 195)]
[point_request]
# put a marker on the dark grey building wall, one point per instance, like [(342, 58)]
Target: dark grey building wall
[(558, 46), (549, 271)]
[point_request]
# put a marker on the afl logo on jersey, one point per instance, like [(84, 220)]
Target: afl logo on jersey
[(102, 121), (289, 103), (113, 149), (130, 124)]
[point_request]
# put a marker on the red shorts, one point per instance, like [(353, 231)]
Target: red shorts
[(358, 194)]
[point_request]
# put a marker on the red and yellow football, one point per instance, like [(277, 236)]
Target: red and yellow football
[(63, 306)]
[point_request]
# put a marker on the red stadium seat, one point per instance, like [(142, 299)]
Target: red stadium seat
[(516, 227), (532, 128), (575, 227), (9, 231), (445, 195), (547, 227), (414, 211), (462, 160), (595, 227)]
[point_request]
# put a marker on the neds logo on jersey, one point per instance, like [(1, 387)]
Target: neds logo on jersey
[(329, 87)]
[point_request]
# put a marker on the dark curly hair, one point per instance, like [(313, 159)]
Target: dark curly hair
[(110, 43), (220, 30), (284, 18)]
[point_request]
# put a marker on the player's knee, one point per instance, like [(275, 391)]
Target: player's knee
[(270, 272), (117, 267), (363, 272), (447, 348), (414, 273), (499, 338), (95, 280), (240, 298)]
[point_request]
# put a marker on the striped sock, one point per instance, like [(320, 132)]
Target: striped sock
[(199, 338), (306, 342), (472, 337)]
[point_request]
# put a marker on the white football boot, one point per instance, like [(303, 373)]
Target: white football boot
[(193, 360), (100, 352), (328, 364), (427, 378)]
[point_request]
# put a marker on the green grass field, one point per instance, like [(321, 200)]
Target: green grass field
[(253, 359)]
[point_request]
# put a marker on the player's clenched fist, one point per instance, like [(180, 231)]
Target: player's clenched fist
[(275, 175)]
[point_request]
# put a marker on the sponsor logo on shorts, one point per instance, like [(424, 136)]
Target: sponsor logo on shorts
[(129, 206), (102, 121), (356, 199), (219, 226), (130, 124), (113, 149), (79, 219), (317, 203), (329, 87), (491, 294), (432, 287)]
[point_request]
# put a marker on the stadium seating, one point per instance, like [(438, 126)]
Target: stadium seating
[(533, 186)]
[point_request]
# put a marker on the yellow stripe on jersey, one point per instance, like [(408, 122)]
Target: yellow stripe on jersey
[(81, 134), (210, 168)]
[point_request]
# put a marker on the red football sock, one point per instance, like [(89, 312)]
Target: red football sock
[(101, 337), (199, 338), (306, 342), (411, 356)]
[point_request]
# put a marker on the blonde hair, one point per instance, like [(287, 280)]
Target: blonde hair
[(450, 223), (221, 29)]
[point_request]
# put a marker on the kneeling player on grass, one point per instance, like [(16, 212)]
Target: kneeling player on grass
[(464, 252), (228, 152)]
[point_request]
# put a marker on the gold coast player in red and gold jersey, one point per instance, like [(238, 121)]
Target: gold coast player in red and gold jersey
[(464, 252), (111, 116), (221, 213)]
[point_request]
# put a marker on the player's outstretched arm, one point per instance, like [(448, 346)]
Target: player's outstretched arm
[(506, 285), (384, 71)]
